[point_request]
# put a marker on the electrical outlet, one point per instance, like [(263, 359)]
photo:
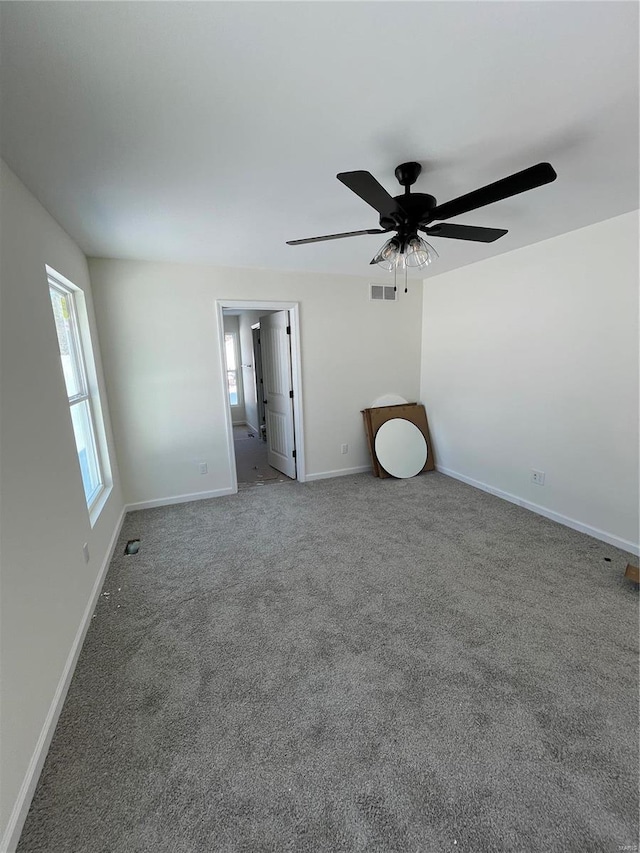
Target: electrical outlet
[(344, 448), (203, 468), (537, 477), (85, 551)]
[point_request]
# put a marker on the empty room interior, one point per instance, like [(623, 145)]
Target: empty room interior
[(319, 367)]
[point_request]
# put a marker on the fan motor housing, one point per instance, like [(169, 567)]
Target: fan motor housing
[(416, 206)]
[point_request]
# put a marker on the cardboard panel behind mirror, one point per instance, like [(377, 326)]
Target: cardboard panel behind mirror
[(413, 412)]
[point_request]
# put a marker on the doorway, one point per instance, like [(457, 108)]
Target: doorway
[(261, 371), (251, 459)]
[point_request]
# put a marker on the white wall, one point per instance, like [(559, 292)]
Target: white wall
[(160, 349), (46, 585), (530, 360)]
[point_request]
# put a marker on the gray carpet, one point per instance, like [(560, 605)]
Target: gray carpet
[(350, 665)]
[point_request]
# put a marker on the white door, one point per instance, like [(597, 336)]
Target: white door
[(257, 364), (278, 393)]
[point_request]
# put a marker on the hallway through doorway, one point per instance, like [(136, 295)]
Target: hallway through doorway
[(252, 466)]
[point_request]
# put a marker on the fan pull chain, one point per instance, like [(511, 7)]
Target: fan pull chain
[(395, 278), (406, 276)]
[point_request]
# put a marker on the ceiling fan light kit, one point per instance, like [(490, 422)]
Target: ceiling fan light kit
[(415, 253), (409, 213)]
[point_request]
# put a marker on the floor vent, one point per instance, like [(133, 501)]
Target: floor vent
[(133, 546), (382, 293)]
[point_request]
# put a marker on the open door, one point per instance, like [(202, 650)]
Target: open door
[(278, 394), (257, 366)]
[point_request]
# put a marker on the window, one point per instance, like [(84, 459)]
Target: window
[(69, 313), (234, 383)]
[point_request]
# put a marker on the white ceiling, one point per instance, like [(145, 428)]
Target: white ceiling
[(213, 131)]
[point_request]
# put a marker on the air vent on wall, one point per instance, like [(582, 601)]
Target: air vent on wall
[(382, 292)]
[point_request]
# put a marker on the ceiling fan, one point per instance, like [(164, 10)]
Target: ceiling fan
[(410, 213)]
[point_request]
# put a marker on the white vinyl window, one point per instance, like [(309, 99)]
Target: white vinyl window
[(68, 312), (234, 379)]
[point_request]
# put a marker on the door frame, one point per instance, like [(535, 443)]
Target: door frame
[(296, 376)]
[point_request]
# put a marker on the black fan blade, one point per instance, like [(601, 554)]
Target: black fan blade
[(528, 179), (365, 185), (337, 236), (465, 232)]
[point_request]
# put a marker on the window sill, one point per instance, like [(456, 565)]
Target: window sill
[(98, 505)]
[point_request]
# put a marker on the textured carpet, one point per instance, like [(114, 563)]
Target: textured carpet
[(350, 665)]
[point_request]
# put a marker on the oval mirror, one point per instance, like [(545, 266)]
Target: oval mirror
[(388, 400), (401, 448)]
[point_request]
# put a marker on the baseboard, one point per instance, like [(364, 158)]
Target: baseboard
[(179, 499), (602, 535), (340, 472), (25, 795)]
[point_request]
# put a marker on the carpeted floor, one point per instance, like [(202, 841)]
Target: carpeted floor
[(350, 665)]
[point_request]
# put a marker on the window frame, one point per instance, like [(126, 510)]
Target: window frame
[(87, 396), (238, 372)]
